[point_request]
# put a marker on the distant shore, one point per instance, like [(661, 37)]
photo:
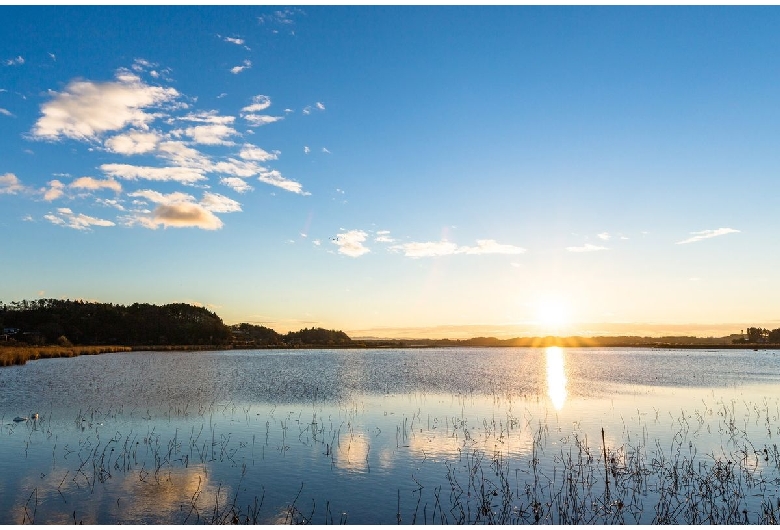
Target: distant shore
[(19, 354)]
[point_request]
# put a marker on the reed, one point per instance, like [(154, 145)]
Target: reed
[(18, 355)]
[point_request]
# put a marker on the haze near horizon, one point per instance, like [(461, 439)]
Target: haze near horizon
[(393, 171)]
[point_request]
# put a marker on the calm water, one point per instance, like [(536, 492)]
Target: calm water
[(382, 436)]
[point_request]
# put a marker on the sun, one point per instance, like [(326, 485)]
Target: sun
[(553, 314)]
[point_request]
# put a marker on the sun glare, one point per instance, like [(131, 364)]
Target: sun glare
[(552, 314)]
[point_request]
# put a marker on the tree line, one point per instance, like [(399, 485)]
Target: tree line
[(52, 321), (760, 336)]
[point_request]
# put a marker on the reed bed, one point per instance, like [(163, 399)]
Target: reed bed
[(18, 355)]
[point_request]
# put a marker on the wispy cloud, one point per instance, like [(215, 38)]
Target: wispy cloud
[(212, 134), (66, 217), (490, 246), (274, 178), (259, 104), (183, 175), (426, 249), (16, 61), (261, 119), (446, 248), (383, 236), (244, 66), (89, 183), (10, 183), (350, 243), (6, 112), (604, 236), (239, 42), (707, 234), (252, 152), (86, 109), (238, 184), (587, 247)]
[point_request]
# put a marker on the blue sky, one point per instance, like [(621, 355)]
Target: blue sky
[(397, 171)]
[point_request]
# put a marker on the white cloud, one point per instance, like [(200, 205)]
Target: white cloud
[(306, 149), (427, 249), (238, 184), (182, 215), (383, 236), (66, 217), (15, 61), (89, 183), (587, 247), (259, 104), (213, 134), (180, 210), (351, 243), (112, 203), (55, 191), (706, 234), (133, 142), (490, 246), (239, 42), (261, 119), (86, 109), (320, 106), (215, 202), (307, 110), (431, 249), (274, 178), (181, 154), (9, 183), (182, 175), (211, 117), (604, 236), (252, 152), (6, 112), (325, 150), (162, 198), (238, 69)]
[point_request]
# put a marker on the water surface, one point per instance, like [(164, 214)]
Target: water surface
[(388, 435)]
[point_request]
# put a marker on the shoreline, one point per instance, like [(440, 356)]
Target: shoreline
[(16, 355)]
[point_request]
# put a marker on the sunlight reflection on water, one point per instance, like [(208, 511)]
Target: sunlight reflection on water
[(556, 376)]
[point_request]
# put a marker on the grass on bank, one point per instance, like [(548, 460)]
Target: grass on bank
[(16, 355)]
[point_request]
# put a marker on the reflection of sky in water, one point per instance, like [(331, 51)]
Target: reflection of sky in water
[(348, 430)]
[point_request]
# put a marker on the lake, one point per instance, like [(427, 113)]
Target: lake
[(455, 435)]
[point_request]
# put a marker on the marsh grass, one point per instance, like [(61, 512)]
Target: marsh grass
[(18, 355)]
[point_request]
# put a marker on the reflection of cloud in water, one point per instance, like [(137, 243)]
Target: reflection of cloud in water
[(556, 376), (177, 492), (351, 453), (123, 498)]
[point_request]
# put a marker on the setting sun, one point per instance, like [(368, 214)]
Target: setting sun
[(552, 314)]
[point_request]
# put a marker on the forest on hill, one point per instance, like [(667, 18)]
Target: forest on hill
[(65, 322)]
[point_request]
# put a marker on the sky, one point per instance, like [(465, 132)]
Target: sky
[(397, 171)]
